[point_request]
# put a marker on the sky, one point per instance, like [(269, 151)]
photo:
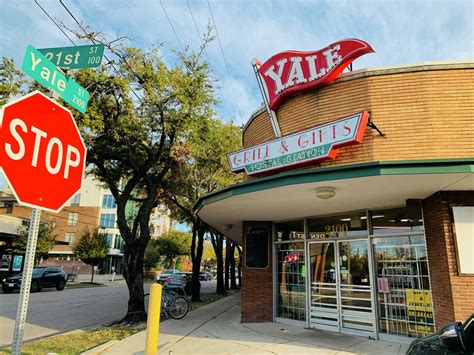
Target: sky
[(401, 32)]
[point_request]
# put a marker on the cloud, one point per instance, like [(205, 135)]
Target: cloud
[(402, 32)]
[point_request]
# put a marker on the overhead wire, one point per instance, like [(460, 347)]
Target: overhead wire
[(225, 61), (57, 25), (172, 27), (205, 51), (95, 42)]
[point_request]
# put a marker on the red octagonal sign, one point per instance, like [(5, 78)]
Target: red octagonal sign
[(42, 153)]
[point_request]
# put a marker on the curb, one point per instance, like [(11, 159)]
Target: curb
[(101, 348)]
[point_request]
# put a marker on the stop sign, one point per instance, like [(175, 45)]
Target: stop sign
[(42, 153)]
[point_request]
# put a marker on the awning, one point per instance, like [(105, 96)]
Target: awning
[(292, 195)]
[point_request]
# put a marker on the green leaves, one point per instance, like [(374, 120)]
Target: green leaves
[(46, 240), (92, 247)]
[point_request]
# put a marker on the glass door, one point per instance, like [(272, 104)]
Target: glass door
[(340, 287), (324, 307), (354, 287)]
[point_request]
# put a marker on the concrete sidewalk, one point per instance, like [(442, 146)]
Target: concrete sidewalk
[(216, 329)]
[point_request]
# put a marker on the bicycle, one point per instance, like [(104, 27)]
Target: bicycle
[(173, 305)]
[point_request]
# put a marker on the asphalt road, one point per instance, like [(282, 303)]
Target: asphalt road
[(51, 311)]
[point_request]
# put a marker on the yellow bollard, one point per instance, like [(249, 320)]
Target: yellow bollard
[(153, 321)]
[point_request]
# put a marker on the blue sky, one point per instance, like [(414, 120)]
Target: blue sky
[(401, 32)]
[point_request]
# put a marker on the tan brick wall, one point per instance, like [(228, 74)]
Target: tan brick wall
[(452, 293), (88, 218), (257, 290), (424, 115)]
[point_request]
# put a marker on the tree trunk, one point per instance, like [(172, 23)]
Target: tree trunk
[(227, 263), (133, 274), (199, 230), (218, 244), (92, 273), (233, 283)]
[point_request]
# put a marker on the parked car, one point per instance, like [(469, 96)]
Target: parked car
[(205, 276), (180, 280), (165, 274), (455, 338), (42, 277)]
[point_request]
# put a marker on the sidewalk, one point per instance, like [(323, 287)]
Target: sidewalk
[(216, 329)]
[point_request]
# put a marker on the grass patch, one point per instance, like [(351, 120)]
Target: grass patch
[(75, 343), (207, 298)]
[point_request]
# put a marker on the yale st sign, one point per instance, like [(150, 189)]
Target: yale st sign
[(314, 144), (291, 72), (47, 74)]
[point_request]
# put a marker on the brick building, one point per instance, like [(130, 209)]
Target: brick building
[(378, 240)]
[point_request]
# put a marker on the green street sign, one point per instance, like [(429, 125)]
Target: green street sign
[(76, 57), (44, 72)]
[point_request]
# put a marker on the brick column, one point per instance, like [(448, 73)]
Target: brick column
[(257, 288), (451, 292)]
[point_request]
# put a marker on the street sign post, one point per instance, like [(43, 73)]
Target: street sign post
[(47, 74), (76, 57), (42, 157)]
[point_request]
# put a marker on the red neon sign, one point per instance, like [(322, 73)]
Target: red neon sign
[(292, 258), (292, 72)]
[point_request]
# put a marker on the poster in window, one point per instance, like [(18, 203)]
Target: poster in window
[(5, 263), (17, 261), (256, 247)]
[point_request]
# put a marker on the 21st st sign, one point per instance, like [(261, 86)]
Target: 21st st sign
[(314, 144), (42, 153)]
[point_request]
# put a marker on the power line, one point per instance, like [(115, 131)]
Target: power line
[(69, 38), (172, 27), (205, 51), (144, 34), (225, 60), (95, 42)]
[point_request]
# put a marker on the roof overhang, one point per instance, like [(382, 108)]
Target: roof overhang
[(361, 186)]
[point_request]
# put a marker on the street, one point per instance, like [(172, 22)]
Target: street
[(51, 312)]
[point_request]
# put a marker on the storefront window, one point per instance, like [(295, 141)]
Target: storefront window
[(403, 286), (288, 231), (397, 220), (347, 225), (291, 281)]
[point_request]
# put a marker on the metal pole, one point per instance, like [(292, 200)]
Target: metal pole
[(26, 281), (153, 321), (271, 113)]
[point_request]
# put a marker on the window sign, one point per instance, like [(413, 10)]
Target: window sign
[(464, 235), (17, 262), (256, 247), (5, 262)]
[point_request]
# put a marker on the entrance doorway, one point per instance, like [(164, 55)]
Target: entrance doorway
[(340, 287)]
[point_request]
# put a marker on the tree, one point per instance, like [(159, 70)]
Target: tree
[(134, 137), (217, 240), (172, 245), (46, 241), (92, 249), (208, 255), (11, 80), (152, 256), (203, 169)]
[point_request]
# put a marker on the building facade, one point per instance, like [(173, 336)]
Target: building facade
[(93, 207), (377, 238)]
